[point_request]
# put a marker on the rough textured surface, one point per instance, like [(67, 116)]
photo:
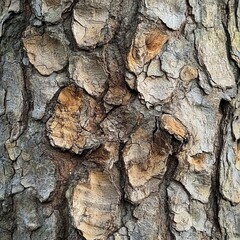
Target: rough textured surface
[(171, 12), (174, 126), (143, 158), (43, 95), (214, 57), (146, 45), (46, 53), (74, 124), (233, 27), (52, 10), (148, 89), (119, 120), (95, 206), (89, 23), (94, 81), (188, 73)]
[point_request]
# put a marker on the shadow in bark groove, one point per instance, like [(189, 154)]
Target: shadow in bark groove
[(227, 112)]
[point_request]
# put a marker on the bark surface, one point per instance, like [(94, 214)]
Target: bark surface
[(119, 119)]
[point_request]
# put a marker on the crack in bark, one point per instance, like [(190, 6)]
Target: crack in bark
[(229, 42), (226, 111), (126, 206), (172, 164), (20, 22), (236, 5)]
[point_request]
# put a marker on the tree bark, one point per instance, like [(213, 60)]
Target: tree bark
[(119, 119)]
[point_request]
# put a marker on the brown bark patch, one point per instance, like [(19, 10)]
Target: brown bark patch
[(154, 43), (144, 160), (188, 73), (174, 126), (75, 120), (198, 161), (146, 45), (106, 155), (95, 206)]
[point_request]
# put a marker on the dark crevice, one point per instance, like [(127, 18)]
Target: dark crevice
[(233, 63), (68, 12), (123, 175), (67, 22), (13, 29), (51, 105), (190, 11), (122, 170), (166, 220), (128, 25), (10, 42), (115, 51), (215, 196), (69, 171), (126, 206), (236, 5), (172, 146), (27, 98)]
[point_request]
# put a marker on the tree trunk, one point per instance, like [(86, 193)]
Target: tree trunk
[(119, 119)]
